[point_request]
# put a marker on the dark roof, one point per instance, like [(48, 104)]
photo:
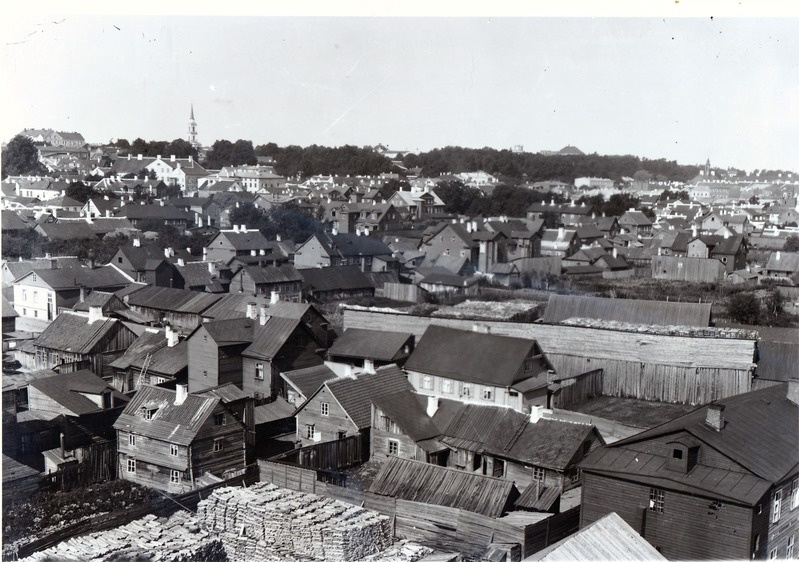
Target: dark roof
[(470, 356), (72, 332), (760, 433), (350, 244), (538, 498), (637, 218), (250, 240), (97, 278), (163, 359), (70, 230), (234, 305), (12, 221), (271, 274), (139, 255), (173, 423), (95, 298), (409, 411), (227, 392), (158, 212), (431, 484), (276, 410), (348, 277), (8, 309), (67, 390), (662, 313), (355, 394), (778, 361), (549, 443), (196, 274), (370, 344), (307, 381), (271, 337), (175, 300)]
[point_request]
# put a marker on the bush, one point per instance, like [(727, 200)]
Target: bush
[(744, 308)]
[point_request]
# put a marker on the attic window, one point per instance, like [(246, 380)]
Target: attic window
[(148, 413), (33, 277), (676, 453)]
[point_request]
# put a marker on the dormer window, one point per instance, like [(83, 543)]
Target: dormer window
[(148, 413), (682, 456)]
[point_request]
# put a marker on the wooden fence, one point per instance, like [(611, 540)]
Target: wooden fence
[(329, 455), (163, 507), (403, 292), (98, 464), (576, 390)]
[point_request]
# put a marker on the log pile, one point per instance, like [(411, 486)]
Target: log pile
[(267, 522), (177, 539)]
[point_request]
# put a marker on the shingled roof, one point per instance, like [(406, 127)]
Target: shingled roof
[(68, 390), (72, 332), (371, 344)]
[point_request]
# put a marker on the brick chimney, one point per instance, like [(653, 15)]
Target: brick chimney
[(181, 392), (715, 417)]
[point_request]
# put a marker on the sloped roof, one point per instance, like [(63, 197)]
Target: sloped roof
[(95, 298), (271, 337), (272, 274), (409, 411), (250, 240), (348, 277), (783, 261), (234, 305), (67, 389), (173, 423), (469, 356), (69, 230), (175, 300), (307, 381), (778, 361), (72, 332), (12, 221), (99, 277), (609, 538), (661, 313), (355, 394), (549, 443), (276, 410), (371, 344), (350, 244), (431, 484), (8, 310), (158, 212), (749, 437)]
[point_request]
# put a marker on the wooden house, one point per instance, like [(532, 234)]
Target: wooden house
[(301, 384), (636, 223), (89, 340), (368, 349), (692, 270), (401, 427), (163, 214), (148, 264), (283, 280), (238, 241), (479, 367), (342, 407), (341, 249), (172, 441), (782, 264), (157, 357), (559, 242), (721, 482), (323, 284), (180, 308), (729, 250)]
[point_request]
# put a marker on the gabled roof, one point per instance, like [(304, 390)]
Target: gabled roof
[(174, 300), (68, 389), (307, 381), (409, 411), (479, 428), (242, 241), (760, 433), (163, 359), (97, 278), (470, 356), (273, 274), (370, 344), (178, 424), (355, 395), (270, 338), (549, 443), (12, 221), (562, 307), (420, 482), (234, 305), (636, 218), (68, 230), (95, 298), (352, 245), (158, 212), (72, 332), (196, 274)]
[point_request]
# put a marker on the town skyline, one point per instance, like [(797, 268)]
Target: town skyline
[(645, 86)]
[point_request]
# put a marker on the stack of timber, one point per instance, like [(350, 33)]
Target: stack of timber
[(265, 521), (176, 539)]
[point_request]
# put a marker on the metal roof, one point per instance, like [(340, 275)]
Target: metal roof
[(273, 274), (539, 498), (372, 344), (561, 307), (227, 392), (100, 277), (431, 484)]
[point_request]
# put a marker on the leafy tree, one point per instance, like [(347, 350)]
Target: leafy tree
[(139, 146), (754, 200), (791, 244), (668, 195), (744, 308), (79, 191), (619, 203), (181, 148), (20, 156)]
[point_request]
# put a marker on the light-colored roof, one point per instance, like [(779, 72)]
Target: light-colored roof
[(561, 307)]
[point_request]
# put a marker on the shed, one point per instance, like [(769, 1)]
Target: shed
[(561, 307)]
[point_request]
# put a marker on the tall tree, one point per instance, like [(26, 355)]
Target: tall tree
[(20, 156), (139, 146)]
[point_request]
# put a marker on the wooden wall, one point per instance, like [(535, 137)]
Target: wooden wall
[(327, 426), (693, 370), (576, 390)]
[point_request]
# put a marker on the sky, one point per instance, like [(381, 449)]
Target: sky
[(681, 88)]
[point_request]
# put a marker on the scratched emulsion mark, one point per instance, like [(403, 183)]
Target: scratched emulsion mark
[(42, 25)]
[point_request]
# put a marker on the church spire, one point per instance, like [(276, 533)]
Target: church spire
[(192, 128), (192, 112)]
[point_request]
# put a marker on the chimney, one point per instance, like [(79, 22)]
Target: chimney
[(616, 252), (243, 228), (715, 416), (136, 242), (205, 254), (334, 231), (777, 255), (536, 413), (235, 228), (171, 336), (262, 315), (253, 252), (481, 328), (61, 440), (369, 365), (171, 157), (167, 252), (181, 392), (95, 314), (139, 157), (181, 262), (432, 406), (693, 231), (210, 267), (82, 293), (251, 310), (561, 232), (793, 390), (278, 238), (274, 297)]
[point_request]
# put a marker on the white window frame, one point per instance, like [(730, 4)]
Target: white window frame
[(789, 549), (309, 430), (795, 494), (259, 371), (175, 477), (173, 450), (657, 500), (218, 445), (776, 506), (466, 390), (772, 554), (324, 408), (488, 393), (446, 386), (131, 466), (539, 474), (132, 439), (393, 447), (427, 382)]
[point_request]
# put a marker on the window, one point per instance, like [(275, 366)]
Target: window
[(393, 447), (325, 409), (538, 474), (175, 477), (676, 453), (35, 313), (759, 508), (427, 383), (218, 445), (488, 393), (132, 440), (309, 431), (656, 497), (446, 386), (772, 555), (466, 390), (35, 296), (529, 364), (795, 493), (34, 277), (219, 419), (149, 413), (789, 550), (777, 506), (24, 295), (119, 260), (259, 371), (132, 466), (173, 450), (205, 373)]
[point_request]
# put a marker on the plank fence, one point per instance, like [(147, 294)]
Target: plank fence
[(576, 390)]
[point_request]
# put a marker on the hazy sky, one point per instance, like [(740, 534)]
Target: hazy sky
[(679, 88)]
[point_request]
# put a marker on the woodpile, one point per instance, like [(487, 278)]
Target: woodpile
[(683, 331), (265, 522), (177, 539)]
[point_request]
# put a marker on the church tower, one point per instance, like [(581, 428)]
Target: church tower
[(193, 129)]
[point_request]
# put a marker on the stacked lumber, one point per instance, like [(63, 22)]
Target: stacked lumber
[(267, 522), (177, 539)]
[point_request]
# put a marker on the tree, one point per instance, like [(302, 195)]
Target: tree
[(754, 200), (20, 156), (791, 244), (122, 143), (744, 308), (79, 191), (139, 146), (181, 148)]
